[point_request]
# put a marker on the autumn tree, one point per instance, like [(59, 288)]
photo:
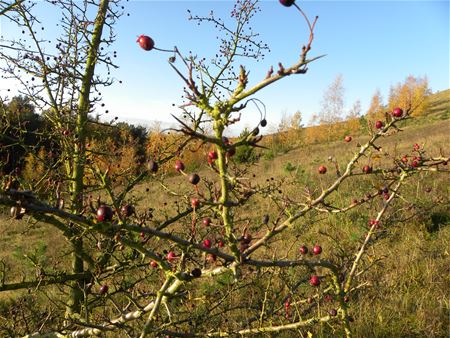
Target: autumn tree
[(332, 106), (290, 129), (117, 151), (355, 111), (412, 93), (324, 125), (376, 107), (352, 121), (35, 165)]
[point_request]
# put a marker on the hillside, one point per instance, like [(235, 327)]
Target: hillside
[(404, 293), (439, 103), (438, 109)]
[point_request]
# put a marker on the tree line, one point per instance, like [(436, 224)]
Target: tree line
[(23, 127)]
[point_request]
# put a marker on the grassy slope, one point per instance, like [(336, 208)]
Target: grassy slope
[(406, 294), (440, 102)]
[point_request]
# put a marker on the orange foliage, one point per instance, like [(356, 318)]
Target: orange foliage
[(411, 94), (160, 145), (332, 132), (35, 167), (376, 108), (117, 156)]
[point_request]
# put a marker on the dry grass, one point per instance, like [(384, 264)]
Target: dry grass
[(406, 294)]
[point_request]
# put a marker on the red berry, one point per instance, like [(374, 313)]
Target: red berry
[(171, 256), (386, 196), (66, 132), (194, 179), (348, 138), (303, 250), (145, 42), (333, 312), (213, 155), (104, 289), (206, 221), (221, 244), (416, 147), (374, 222), (195, 203), (314, 280), (287, 304), (127, 210), (367, 169), (322, 169), (378, 124), (397, 112), (207, 243), (415, 163), (317, 250), (405, 159), (153, 264), (179, 166), (346, 299), (104, 213), (287, 3)]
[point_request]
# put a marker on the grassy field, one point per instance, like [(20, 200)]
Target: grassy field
[(404, 294)]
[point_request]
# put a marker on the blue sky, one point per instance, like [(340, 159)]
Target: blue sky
[(373, 44)]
